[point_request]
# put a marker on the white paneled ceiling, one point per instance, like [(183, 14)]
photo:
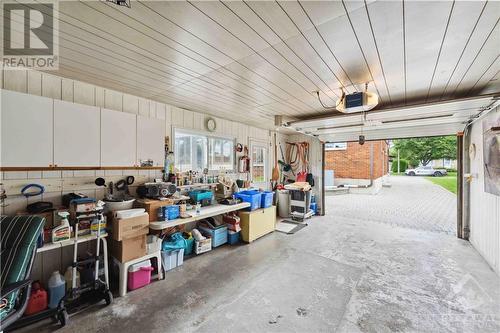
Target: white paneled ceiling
[(250, 61), (431, 119)]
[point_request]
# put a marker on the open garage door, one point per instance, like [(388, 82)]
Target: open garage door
[(446, 118), (427, 120)]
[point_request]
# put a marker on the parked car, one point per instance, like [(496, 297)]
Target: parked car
[(426, 171)]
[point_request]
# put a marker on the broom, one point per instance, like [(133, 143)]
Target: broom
[(276, 171)]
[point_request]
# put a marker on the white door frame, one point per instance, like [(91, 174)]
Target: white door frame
[(267, 165)]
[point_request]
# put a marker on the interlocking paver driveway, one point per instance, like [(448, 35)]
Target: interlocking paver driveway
[(411, 202)]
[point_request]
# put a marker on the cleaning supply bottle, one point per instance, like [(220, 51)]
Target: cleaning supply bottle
[(68, 276), (63, 231), (57, 289)]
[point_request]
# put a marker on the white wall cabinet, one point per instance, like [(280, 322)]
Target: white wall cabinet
[(27, 129), (76, 135), (118, 138), (150, 140)]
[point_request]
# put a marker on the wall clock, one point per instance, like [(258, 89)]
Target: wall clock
[(211, 125)]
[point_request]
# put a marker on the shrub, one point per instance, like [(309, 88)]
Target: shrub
[(403, 165)]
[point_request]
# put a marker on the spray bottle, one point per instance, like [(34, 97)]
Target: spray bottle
[(63, 231)]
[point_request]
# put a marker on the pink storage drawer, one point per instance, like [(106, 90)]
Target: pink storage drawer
[(139, 275)]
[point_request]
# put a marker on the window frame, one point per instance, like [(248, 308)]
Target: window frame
[(208, 136), (266, 163)]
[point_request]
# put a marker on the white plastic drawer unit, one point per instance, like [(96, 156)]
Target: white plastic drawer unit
[(27, 130)]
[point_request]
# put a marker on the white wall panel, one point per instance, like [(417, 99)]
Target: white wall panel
[(484, 207), (84, 93), (16, 80), (130, 104), (113, 100), (67, 90), (35, 83), (51, 86)]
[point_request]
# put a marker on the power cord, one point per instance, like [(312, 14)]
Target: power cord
[(331, 107)]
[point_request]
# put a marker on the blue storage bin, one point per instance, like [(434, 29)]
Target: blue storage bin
[(252, 197), (170, 212), (233, 237), (218, 235), (266, 199), (199, 195)]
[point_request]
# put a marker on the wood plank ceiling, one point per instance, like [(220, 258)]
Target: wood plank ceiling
[(248, 61)]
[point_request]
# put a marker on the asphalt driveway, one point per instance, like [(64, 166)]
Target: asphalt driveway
[(411, 202)]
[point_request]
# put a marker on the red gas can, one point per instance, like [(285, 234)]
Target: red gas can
[(38, 299)]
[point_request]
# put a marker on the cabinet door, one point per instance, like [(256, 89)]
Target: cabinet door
[(76, 135), (118, 138), (27, 130), (150, 140)]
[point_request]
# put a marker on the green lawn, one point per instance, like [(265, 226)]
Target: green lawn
[(449, 182)]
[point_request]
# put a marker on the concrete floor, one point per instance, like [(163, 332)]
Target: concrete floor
[(338, 274), (410, 202)]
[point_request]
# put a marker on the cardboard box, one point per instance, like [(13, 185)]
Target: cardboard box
[(48, 216), (151, 206), (130, 227), (129, 249)]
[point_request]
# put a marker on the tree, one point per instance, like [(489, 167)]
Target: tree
[(424, 150)]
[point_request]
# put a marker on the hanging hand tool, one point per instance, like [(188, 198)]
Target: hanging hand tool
[(276, 171)]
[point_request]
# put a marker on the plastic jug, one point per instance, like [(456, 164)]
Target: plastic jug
[(68, 276), (37, 301), (57, 289)]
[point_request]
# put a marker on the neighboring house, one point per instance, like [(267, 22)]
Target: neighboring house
[(444, 163), (350, 163)]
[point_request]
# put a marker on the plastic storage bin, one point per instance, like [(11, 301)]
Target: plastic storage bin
[(153, 244), (252, 197), (233, 237), (139, 275), (266, 199), (202, 246), (218, 235), (199, 195), (170, 212), (172, 259)]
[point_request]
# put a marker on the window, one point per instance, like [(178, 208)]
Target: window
[(336, 146), (194, 151), (259, 164), (221, 153)]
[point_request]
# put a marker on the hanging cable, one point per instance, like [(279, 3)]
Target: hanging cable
[(341, 100)]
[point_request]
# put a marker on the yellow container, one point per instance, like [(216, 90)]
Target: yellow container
[(257, 223)]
